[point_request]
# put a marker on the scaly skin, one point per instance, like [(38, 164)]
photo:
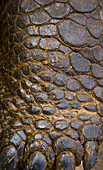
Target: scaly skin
[(51, 84)]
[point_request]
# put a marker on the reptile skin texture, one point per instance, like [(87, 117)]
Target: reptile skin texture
[(51, 84)]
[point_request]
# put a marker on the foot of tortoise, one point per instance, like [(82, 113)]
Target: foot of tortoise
[(8, 158), (36, 161), (35, 154), (90, 154), (65, 161)]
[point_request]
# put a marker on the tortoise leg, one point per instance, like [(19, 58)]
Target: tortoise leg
[(65, 161), (90, 154)]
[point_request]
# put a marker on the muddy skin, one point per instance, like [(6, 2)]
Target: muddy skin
[(51, 84)]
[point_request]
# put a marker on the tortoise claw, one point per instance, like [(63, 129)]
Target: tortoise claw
[(65, 161), (90, 154), (36, 161), (8, 158)]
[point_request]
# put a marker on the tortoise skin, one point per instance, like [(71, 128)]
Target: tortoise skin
[(51, 84)]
